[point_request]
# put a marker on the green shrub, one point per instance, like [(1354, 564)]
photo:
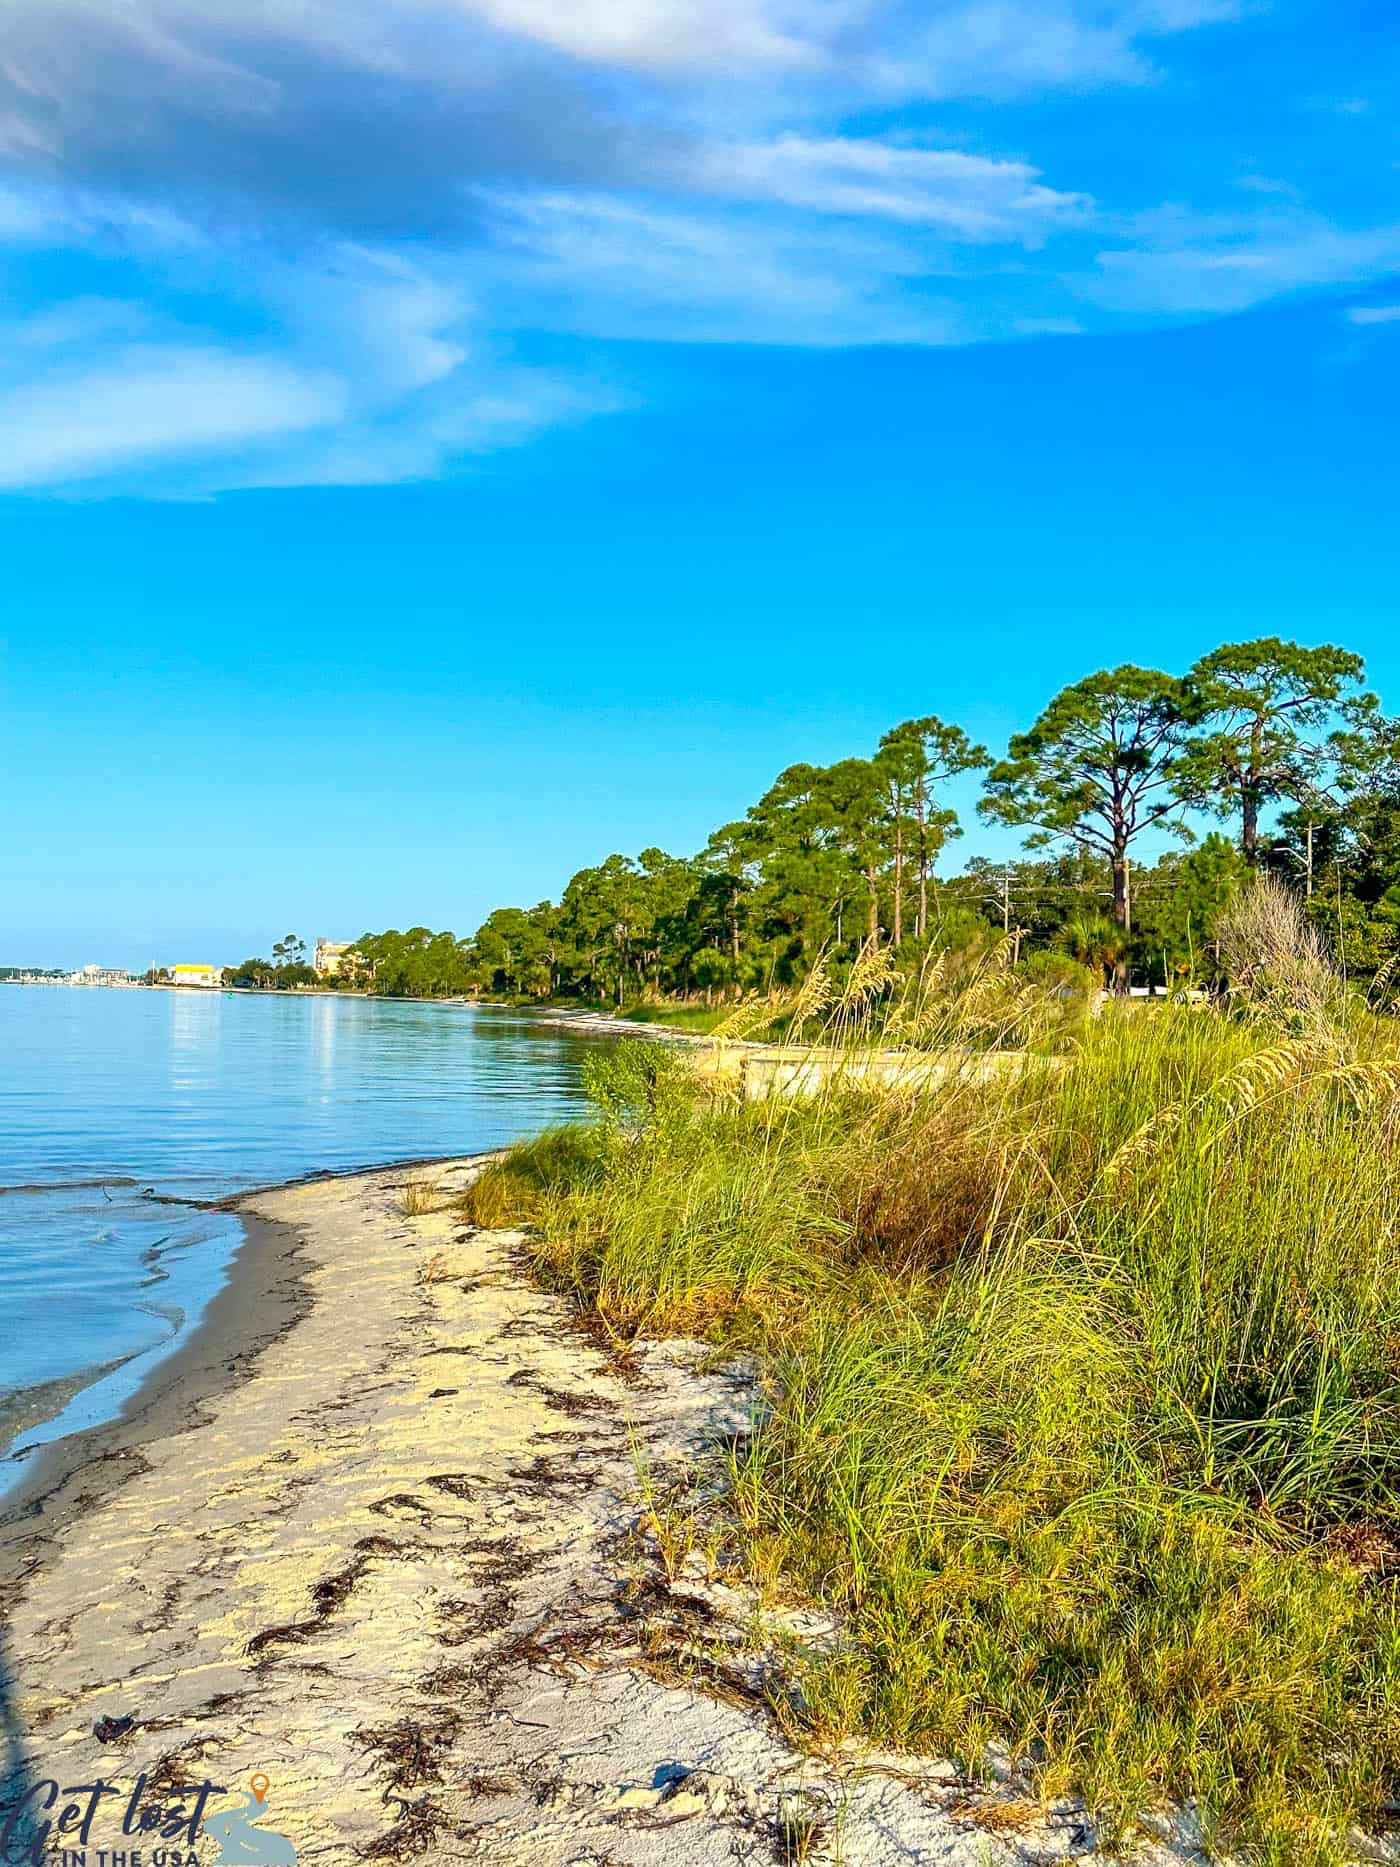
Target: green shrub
[(1082, 1398), (508, 1192)]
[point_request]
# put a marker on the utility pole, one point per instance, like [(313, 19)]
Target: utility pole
[(1309, 869), (1006, 901)]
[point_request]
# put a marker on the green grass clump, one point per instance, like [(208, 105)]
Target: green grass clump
[(700, 1019), (512, 1190), (1083, 1397)]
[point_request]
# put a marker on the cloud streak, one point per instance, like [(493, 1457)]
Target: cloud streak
[(628, 271), (677, 36), (149, 403), (1224, 264), (372, 371), (970, 197)]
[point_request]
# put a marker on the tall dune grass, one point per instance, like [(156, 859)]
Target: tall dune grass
[(1083, 1397)]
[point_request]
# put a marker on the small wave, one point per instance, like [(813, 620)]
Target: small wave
[(65, 1186), (169, 1313)]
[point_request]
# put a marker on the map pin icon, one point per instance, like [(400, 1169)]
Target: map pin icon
[(260, 1786)]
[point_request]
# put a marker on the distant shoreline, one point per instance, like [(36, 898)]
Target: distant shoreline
[(584, 1017)]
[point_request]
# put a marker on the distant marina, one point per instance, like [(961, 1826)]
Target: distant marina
[(84, 975), (331, 959), (200, 978)]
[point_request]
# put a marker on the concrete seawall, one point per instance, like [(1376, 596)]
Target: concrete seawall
[(755, 1071)]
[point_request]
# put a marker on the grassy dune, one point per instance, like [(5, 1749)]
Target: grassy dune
[(1084, 1391)]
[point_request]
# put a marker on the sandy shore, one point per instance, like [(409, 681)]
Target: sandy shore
[(591, 1023), (379, 1534)]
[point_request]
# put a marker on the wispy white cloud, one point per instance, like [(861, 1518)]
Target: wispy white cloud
[(970, 197), (685, 35), (1008, 48), (371, 371), (1188, 263), (842, 240), (1048, 327), (56, 214), (1374, 314), (154, 403), (23, 216), (472, 413), (373, 315), (75, 322), (1268, 185), (1003, 48), (619, 269)]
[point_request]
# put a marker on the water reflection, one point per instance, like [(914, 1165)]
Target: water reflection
[(324, 1025), (198, 1095)]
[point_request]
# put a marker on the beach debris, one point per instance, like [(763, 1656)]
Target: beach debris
[(410, 1751), (109, 1730), (327, 1596)]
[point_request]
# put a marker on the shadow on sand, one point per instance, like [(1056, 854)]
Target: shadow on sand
[(19, 1830)]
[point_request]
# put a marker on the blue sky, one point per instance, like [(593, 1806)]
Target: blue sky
[(443, 441)]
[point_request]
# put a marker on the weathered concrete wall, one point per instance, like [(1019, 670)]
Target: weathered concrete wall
[(754, 1071)]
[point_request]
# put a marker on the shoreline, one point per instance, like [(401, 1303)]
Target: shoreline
[(263, 1294), (393, 1531), (261, 1297)]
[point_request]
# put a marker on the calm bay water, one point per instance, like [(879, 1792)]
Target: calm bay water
[(107, 1095)]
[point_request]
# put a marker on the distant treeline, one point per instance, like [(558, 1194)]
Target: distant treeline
[(1283, 743)]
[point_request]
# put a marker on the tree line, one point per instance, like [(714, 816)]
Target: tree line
[(1284, 744)]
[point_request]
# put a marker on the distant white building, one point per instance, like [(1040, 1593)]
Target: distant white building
[(100, 975), (329, 958), (206, 976)]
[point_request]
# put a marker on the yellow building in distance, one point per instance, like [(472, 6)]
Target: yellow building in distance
[(332, 957), (205, 976)]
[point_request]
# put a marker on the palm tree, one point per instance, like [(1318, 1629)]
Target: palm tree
[(1094, 940)]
